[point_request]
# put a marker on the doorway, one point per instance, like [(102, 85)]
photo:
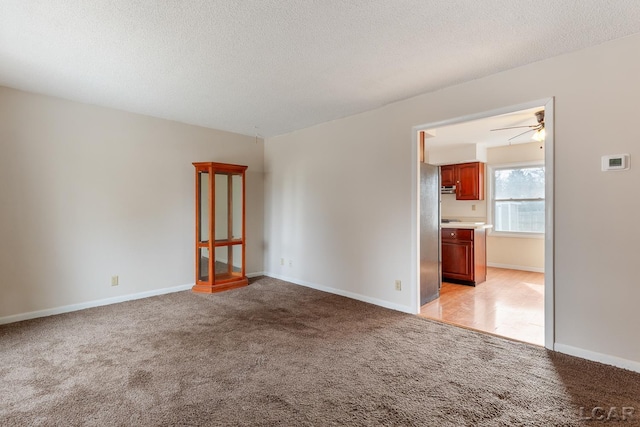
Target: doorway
[(515, 292)]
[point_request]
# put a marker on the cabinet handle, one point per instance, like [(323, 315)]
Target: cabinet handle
[(453, 234)]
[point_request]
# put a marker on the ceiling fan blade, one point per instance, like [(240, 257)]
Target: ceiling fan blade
[(515, 127), (520, 134)]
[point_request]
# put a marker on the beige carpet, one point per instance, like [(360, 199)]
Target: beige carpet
[(278, 354)]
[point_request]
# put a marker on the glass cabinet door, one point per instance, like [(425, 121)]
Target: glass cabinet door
[(236, 206), (228, 220), (203, 264), (222, 206), (203, 214)]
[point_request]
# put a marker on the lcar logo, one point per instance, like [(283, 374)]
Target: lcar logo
[(614, 413)]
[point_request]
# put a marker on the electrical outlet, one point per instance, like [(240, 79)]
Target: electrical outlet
[(281, 261), (290, 263), (114, 281), (473, 207), (398, 285)]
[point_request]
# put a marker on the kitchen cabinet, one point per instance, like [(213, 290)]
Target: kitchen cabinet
[(448, 175), (467, 177), (470, 181), (463, 256)]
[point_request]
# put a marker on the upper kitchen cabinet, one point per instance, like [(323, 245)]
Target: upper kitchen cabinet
[(467, 177), (448, 175), (470, 181)]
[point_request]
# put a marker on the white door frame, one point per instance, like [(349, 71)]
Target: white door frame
[(549, 268)]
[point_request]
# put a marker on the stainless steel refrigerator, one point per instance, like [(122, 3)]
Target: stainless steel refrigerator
[(430, 266)]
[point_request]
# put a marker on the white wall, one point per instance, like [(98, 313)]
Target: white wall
[(90, 192), (339, 199), (459, 154), (335, 206), (528, 152)]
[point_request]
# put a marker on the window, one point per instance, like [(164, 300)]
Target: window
[(518, 199)]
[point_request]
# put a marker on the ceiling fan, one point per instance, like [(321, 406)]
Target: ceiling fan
[(538, 129)]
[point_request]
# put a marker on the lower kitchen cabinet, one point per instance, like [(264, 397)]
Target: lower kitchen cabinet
[(464, 257)]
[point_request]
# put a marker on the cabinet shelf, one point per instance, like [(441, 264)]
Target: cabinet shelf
[(220, 243)]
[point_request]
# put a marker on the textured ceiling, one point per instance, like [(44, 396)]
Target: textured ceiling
[(282, 65)]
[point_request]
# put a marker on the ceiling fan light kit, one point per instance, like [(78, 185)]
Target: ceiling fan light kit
[(539, 135)]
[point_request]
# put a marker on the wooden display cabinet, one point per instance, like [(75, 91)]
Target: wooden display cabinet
[(220, 227)]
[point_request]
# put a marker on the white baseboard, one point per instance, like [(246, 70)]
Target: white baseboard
[(352, 295), (101, 302), (257, 274), (516, 267), (90, 304), (598, 357)]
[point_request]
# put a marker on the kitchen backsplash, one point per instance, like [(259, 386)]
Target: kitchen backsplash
[(463, 209)]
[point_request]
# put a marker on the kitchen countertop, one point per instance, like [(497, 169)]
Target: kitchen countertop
[(467, 225)]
